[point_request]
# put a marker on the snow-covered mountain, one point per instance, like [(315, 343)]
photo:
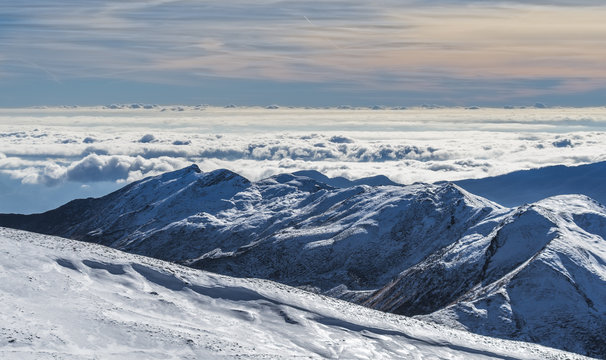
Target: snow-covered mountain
[(528, 186), (341, 182), (428, 250), (64, 299), (537, 274)]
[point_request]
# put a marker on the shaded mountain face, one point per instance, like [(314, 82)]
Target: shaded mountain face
[(528, 186), (434, 251)]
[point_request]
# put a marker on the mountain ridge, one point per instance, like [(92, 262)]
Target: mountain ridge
[(528, 186), (559, 259)]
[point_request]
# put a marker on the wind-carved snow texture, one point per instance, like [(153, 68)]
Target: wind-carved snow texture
[(64, 299), (535, 273)]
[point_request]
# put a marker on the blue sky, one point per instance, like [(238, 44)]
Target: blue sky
[(302, 53)]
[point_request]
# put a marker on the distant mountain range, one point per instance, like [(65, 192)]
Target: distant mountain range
[(534, 273), (527, 186), (511, 189), (341, 182)]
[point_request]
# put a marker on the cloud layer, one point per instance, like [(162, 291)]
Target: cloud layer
[(90, 151), (52, 146)]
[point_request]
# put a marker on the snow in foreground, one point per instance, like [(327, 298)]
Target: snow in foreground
[(66, 299)]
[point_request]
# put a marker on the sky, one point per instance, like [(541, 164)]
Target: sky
[(49, 156), (303, 53)]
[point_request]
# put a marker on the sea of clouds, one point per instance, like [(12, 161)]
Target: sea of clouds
[(51, 155)]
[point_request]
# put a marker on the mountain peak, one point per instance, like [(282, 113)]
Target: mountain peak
[(191, 169), (194, 168), (222, 176), (183, 173)]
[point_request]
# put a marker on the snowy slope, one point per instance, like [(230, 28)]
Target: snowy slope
[(528, 186), (535, 274), (64, 299)]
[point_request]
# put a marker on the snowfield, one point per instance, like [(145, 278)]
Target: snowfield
[(64, 299)]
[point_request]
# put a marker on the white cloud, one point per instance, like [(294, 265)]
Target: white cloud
[(147, 138), (92, 168), (563, 143), (99, 168), (340, 139)]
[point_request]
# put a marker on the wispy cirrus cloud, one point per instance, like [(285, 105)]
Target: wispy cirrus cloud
[(456, 50)]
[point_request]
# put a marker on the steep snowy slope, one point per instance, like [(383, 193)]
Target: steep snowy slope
[(63, 299), (289, 228), (528, 186), (537, 274)]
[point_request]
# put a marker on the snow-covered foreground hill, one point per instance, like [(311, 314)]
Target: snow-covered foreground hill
[(534, 273), (65, 299)]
